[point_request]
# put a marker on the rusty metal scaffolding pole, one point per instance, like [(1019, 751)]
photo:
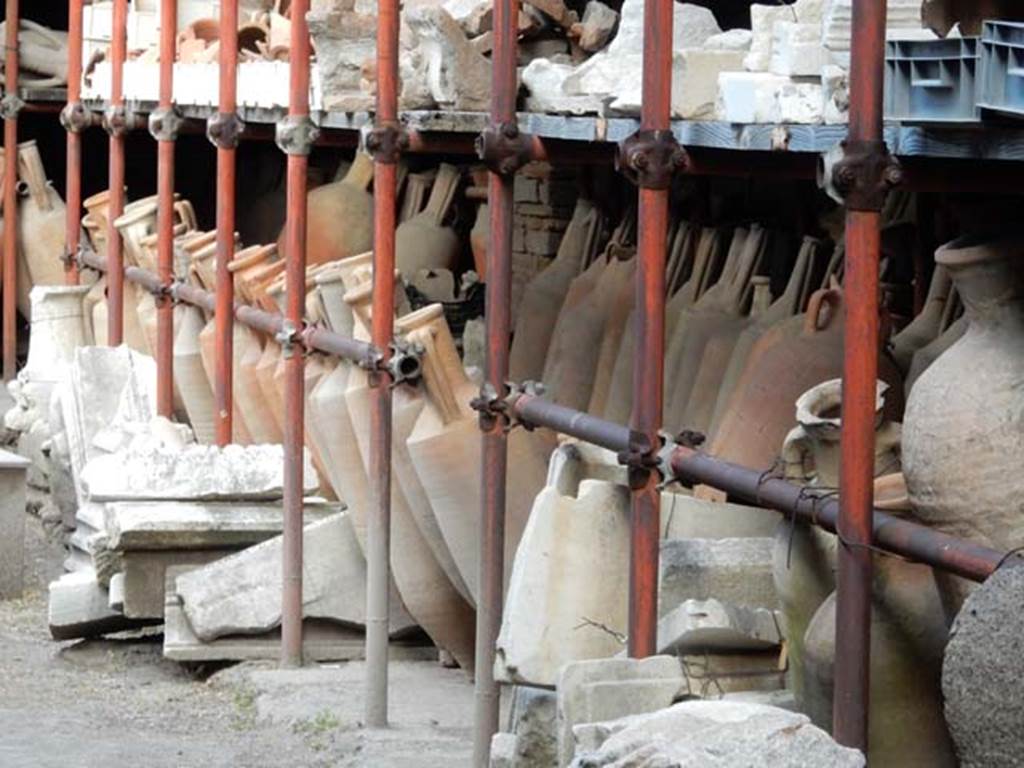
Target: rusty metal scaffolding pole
[(295, 136), (11, 105), (504, 150), (651, 155), (385, 146), (116, 123), (73, 124), (862, 176), (163, 125), (223, 130)]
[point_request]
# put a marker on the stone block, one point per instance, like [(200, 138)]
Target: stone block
[(718, 734), (695, 80), (149, 525), (596, 28), (835, 95), (737, 571), (688, 517), (749, 97), (557, 193), (599, 690), (526, 190), (519, 235), (712, 625), (800, 102), (80, 607), (241, 594), (730, 40), (567, 596), (713, 675), (503, 750), (541, 242), (13, 478), (981, 673), (535, 726), (144, 572), (797, 50), (762, 26)]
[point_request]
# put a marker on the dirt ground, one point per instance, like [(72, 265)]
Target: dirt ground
[(116, 703)]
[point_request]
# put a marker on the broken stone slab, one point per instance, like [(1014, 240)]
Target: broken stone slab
[(457, 75), (503, 751), (241, 594), (730, 40), (712, 625), (981, 673), (835, 94), (796, 50), (567, 596), (597, 26), (148, 470), (719, 734), (736, 571), (13, 478), (713, 675), (80, 607), (837, 23), (695, 80), (762, 97), (159, 525), (104, 385), (783, 698), (474, 16), (345, 41), (607, 689)]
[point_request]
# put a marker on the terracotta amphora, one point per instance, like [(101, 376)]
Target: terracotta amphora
[(264, 370), (428, 593), (545, 293), (722, 306), (576, 347), (927, 326), (424, 241), (963, 434), (208, 353), (929, 353), (247, 263), (42, 229), (788, 359), (445, 450), (804, 557), (190, 375), (259, 416), (790, 302), (340, 220), (909, 629), (682, 257), (417, 190)]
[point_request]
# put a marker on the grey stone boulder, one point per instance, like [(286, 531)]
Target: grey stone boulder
[(717, 734), (981, 674)]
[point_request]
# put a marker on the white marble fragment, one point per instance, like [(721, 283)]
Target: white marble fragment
[(796, 50)]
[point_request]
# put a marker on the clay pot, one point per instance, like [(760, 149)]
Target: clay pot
[(963, 440), (720, 309), (792, 301), (264, 370), (445, 450), (247, 263), (427, 591), (909, 629), (932, 351), (241, 336), (340, 222), (545, 294), (263, 426), (480, 240), (196, 393), (576, 348), (927, 326), (617, 314), (788, 359), (804, 557), (42, 229), (424, 242)]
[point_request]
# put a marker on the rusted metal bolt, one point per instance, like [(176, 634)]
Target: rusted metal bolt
[(893, 175)]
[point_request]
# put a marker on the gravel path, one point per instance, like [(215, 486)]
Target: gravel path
[(116, 703)]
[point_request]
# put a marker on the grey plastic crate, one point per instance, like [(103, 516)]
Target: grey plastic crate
[(932, 81), (1002, 67)]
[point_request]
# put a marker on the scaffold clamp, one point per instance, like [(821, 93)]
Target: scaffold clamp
[(165, 124), (10, 106), (503, 148), (75, 117), (494, 408), (288, 338), (224, 129), (386, 142), (859, 173), (296, 135), (651, 158), (118, 120), (405, 363)]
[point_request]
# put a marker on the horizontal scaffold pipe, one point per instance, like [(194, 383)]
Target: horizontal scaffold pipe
[(893, 535), (312, 338)]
